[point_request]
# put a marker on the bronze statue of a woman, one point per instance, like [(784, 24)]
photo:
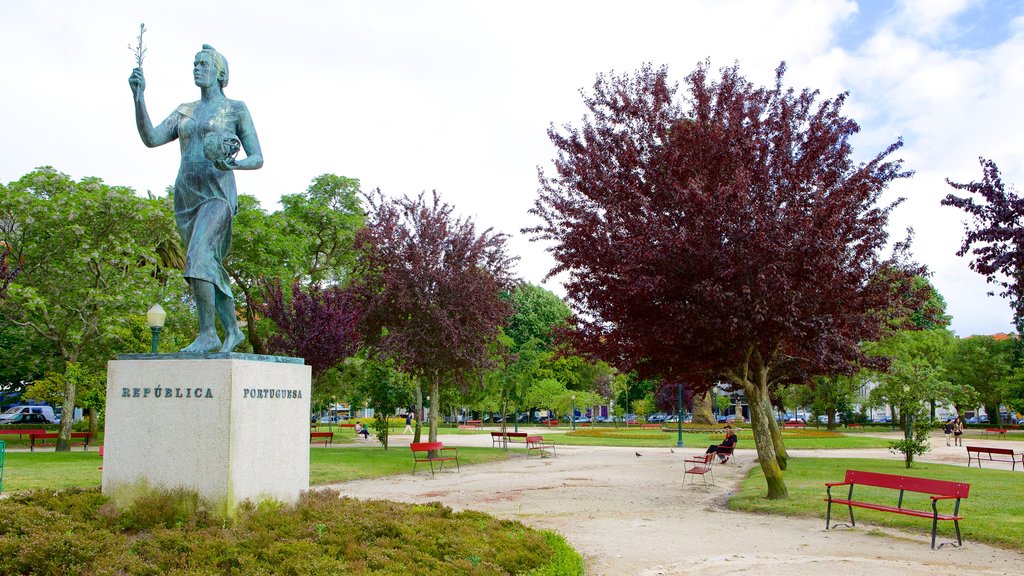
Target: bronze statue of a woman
[(210, 132)]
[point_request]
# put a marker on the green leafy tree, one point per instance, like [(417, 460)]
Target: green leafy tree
[(87, 251), (90, 388), (536, 315), (916, 376), (831, 396), (386, 390), (978, 368), (309, 240)]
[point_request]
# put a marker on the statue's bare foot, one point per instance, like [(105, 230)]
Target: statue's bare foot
[(203, 343), (232, 339)]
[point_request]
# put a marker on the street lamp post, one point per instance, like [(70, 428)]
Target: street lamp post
[(679, 419), (155, 317), (573, 414)]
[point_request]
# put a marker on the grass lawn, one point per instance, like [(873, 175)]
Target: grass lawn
[(330, 465), (994, 512), (57, 470), (795, 439)]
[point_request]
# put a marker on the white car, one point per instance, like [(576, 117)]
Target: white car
[(15, 413)]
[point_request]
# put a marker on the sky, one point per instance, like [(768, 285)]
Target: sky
[(457, 96)]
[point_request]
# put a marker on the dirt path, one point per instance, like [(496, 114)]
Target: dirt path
[(631, 514)]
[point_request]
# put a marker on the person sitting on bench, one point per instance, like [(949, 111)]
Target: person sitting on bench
[(728, 443), (360, 429)]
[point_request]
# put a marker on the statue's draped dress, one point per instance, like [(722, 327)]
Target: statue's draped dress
[(205, 198)]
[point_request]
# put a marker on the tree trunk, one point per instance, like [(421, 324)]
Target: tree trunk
[(250, 328), (419, 413), (435, 400), (67, 417), (702, 413), (781, 455), (94, 423), (760, 416), (992, 411)]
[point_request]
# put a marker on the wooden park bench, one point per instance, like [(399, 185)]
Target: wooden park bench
[(40, 439), (326, 437), (550, 423), (503, 438), (431, 452), (537, 444), (854, 425), (796, 424), (937, 489), (994, 455), (22, 431), (999, 431), (702, 466)]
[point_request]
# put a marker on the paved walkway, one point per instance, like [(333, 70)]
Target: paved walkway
[(630, 514)]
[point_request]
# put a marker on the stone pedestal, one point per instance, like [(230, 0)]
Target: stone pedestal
[(229, 426)]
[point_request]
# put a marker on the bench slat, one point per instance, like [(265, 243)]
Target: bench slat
[(896, 510)]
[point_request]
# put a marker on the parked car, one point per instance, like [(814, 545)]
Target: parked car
[(28, 419), (14, 413), (657, 417), (734, 418)]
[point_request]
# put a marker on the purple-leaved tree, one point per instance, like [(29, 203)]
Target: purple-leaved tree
[(318, 324), (432, 289), (726, 233)]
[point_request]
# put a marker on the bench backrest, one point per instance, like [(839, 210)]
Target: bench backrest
[(425, 446), (20, 431), (321, 434), (909, 483), (516, 434), (533, 439), (987, 450)]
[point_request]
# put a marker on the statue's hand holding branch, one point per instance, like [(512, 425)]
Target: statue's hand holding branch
[(138, 83)]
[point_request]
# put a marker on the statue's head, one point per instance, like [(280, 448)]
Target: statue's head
[(220, 63)]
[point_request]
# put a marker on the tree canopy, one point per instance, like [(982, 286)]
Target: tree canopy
[(88, 262), (994, 236), (432, 287), (727, 232)]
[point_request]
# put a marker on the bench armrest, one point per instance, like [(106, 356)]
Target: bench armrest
[(450, 448), (945, 497), (831, 484)]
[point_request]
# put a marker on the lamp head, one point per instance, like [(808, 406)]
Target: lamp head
[(155, 316)]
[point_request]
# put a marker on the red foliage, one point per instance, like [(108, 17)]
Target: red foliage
[(738, 230), (432, 286), (317, 324), (996, 239)]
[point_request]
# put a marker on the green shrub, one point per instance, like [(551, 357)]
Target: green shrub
[(81, 532)]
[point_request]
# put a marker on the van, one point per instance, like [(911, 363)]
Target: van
[(17, 414)]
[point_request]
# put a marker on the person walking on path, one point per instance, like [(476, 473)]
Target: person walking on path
[(408, 422), (948, 430), (958, 432)]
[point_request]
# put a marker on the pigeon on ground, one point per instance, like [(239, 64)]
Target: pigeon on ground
[(637, 454), (671, 450)]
